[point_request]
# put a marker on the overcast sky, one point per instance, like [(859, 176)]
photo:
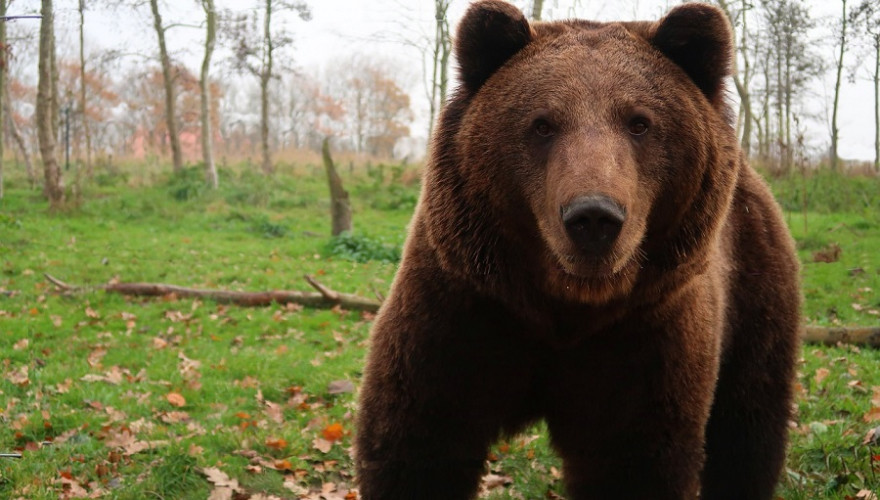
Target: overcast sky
[(343, 27)]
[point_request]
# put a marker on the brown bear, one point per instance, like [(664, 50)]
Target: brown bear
[(590, 248)]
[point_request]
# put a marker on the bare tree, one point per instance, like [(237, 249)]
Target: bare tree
[(434, 46), (82, 81), (16, 136), (170, 115), (742, 72), (47, 104), (378, 110), (537, 8), (835, 132), (207, 138), (867, 18), (788, 65), (255, 53), (440, 53), (4, 70)]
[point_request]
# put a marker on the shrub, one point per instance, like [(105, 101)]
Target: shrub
[(361, 248)]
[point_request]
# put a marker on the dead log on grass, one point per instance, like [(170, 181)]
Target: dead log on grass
[(323, 298), (833, 335)]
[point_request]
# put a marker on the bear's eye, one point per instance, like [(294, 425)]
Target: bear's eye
[(638, 126), (543, 128)]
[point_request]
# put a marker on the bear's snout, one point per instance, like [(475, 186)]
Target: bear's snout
[(593, 223)]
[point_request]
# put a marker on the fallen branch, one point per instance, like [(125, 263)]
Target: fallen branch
[(324, 298), (328, 298), (856, 335)]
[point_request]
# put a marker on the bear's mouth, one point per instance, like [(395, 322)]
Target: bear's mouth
[(596, 281), (580, 267), (605, 268)]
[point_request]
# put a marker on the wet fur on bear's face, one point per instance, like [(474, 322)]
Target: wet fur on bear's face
[(589, 110)]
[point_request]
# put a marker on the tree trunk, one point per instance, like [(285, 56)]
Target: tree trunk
[(745, 95), (265, 77), (789, 93), (340, 206), (445, 52), (780, 100), (83, 106), (741, 81), (45, 105), (170, 115), (440, 54), (835, 132), (207, 132), (877, 103), (18, 139), (537, 7), (3, 72)]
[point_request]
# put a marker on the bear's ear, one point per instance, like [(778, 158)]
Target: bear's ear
[(489, 34), (698, 38)]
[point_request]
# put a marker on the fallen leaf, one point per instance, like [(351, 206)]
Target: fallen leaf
[(173, 417), (175, 399), (21, 345), (114, 376), (340, 387), (866, 495), (274, 412), (71, 487), (277, 444), (19, 377), (299, 491), (224, 486), (871, 436), (821, 373), (282, 465), (64, 387), (322, 445), (492, 481), (873, 415), (333, 432)]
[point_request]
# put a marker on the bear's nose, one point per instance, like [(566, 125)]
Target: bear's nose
[(593, 222)]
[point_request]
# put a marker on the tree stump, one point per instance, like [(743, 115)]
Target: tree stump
[(340, 205)]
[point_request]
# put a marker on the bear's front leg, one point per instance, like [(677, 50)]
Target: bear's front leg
[(442, 381), (629, 412)]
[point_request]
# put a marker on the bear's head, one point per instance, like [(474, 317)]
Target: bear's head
[(579, 156)]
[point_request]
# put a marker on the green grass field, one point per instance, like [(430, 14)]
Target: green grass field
[(118, 397)]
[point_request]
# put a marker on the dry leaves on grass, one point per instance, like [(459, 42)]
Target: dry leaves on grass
[(873, 414), (125, 440), (224, 486), (19, 376)]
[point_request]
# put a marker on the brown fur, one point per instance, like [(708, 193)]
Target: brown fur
[(662, 365)]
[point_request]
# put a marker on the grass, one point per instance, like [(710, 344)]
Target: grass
[(136, 398)]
